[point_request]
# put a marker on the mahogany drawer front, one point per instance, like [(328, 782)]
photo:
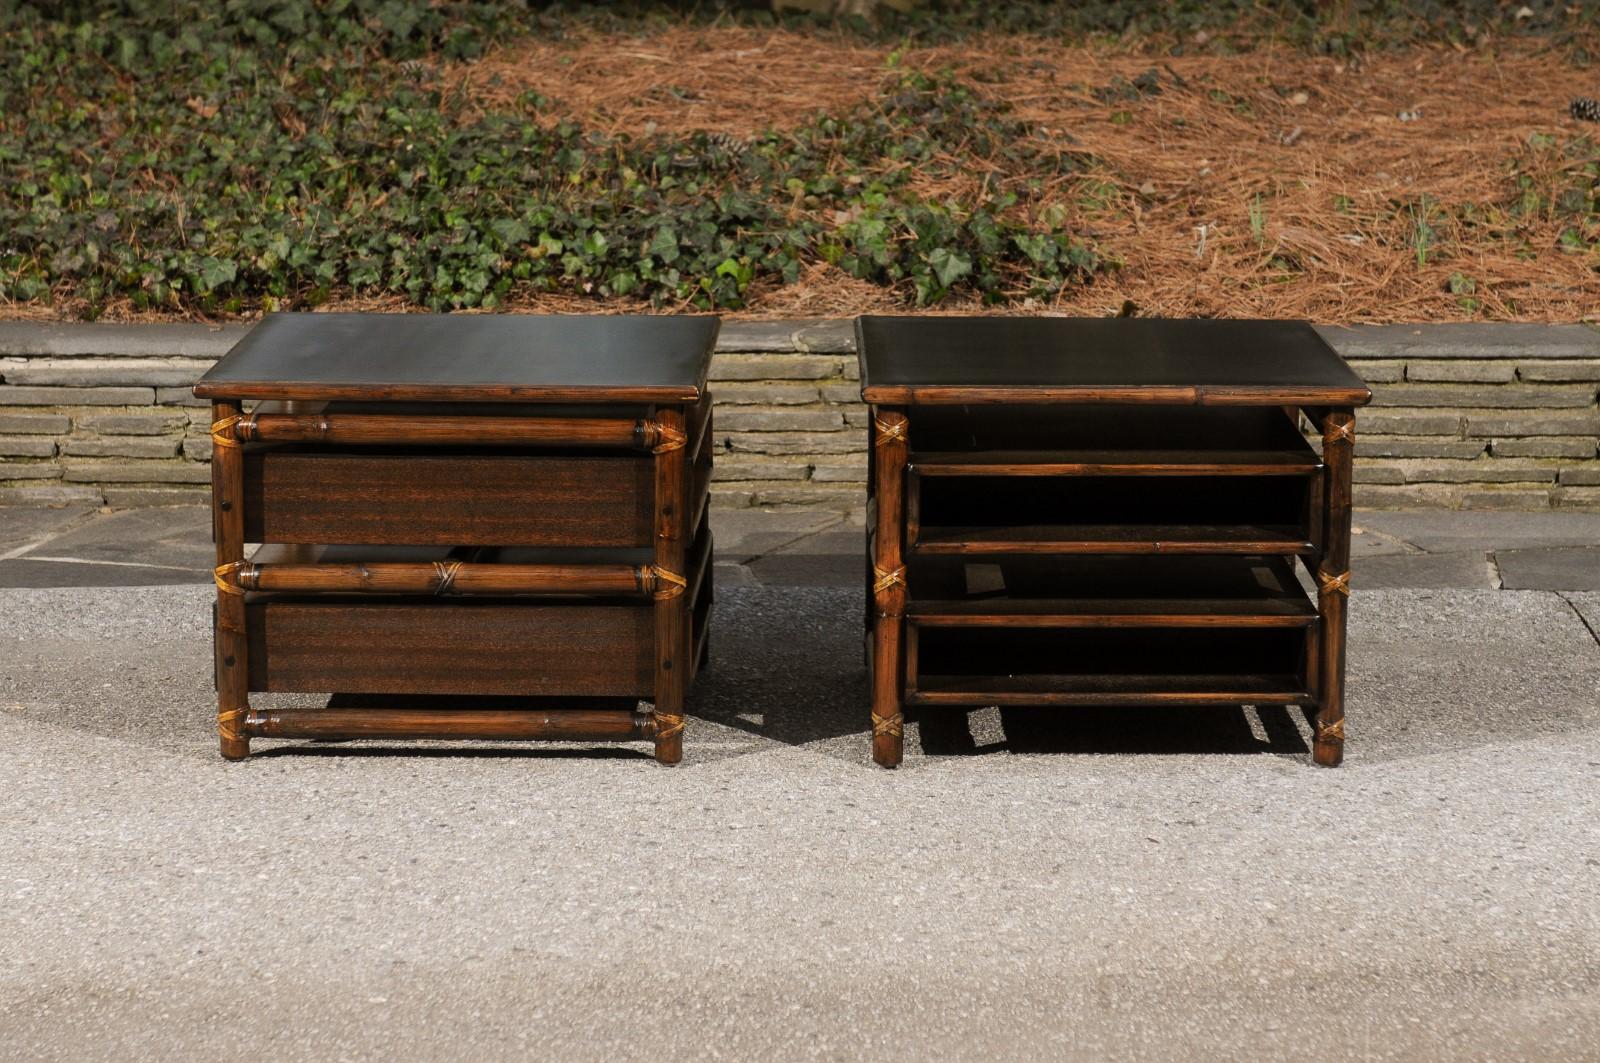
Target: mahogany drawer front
[(427, 646), (295, 495)]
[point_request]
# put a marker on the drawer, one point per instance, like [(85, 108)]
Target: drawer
[(427, 646), (448, 498)]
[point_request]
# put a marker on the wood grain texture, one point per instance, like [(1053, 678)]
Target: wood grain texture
[(890, 436), (672, 646), (378, 429), (1111, 539), (449, 499), (1333, 578), (434, 646), (231, 644), (454, 578), (556, 725)]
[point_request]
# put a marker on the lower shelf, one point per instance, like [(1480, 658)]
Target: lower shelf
[(1109, 690), (354, 717), (1114, 666)]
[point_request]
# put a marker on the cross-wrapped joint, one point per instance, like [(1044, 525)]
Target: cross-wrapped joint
[(888, 430), (669, 584), (668, 438), (892, 725), (1340, 431), (887, 579), (228, 724), (446, 573), (230, 578), (224, 433)]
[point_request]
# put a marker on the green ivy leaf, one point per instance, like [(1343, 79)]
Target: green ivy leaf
[(949, 266), (665, 244)]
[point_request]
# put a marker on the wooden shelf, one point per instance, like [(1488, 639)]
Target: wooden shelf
[(1033, 662), (1109, 690), (1112, 539), (1108, 592), (1102, 441), (1109, 514)]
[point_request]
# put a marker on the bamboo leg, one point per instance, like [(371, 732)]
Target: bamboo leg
[(672, 630), (889, 451), (1333, 583), (227, 497)]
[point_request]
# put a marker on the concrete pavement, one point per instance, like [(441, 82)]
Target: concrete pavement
[(1150, 886)]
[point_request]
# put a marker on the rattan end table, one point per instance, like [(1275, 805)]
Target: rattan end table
[(1073, 512), (470, 526)]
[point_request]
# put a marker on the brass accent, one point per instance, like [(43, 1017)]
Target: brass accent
[(668, 438), (883, 580), (446, 571), (675, 584), (222, 432), (227, 576), (246, 429), (1345, 431), (667, 725), (888, 431), (1331, 584), (888, 725), (1331, 732)]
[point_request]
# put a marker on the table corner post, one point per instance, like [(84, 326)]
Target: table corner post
[(890, 450), (671, 629), (1333, 584), (231, 641)]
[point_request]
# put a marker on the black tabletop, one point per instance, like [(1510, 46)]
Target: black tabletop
[(1065, 359), (468, 358)]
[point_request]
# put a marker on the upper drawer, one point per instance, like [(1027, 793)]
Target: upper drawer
[(445, 498)]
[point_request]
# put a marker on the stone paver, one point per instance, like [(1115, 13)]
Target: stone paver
[(126, 548), (742, 534), (24, 525), (1441, 530), (1465, 569), (1574, 568)]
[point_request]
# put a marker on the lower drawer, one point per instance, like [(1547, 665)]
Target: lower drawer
[(426, 646)]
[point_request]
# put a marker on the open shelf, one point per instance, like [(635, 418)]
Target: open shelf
[(1108, 592), (1108, 441), (1113, 666), (1109, 515)]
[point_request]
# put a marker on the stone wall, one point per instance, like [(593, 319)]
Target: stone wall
[(1465, 416)]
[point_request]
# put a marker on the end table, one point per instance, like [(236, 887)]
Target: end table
[(470, 526), (1071, 511)]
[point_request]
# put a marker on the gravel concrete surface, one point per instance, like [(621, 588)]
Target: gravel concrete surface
[(1152, 887)]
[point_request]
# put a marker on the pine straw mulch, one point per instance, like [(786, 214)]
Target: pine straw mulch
[(1275, 129)]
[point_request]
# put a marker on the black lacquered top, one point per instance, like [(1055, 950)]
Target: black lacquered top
[(1064, 359), (468, 358)]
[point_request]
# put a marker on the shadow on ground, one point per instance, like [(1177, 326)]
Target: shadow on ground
[(1430, 671)]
